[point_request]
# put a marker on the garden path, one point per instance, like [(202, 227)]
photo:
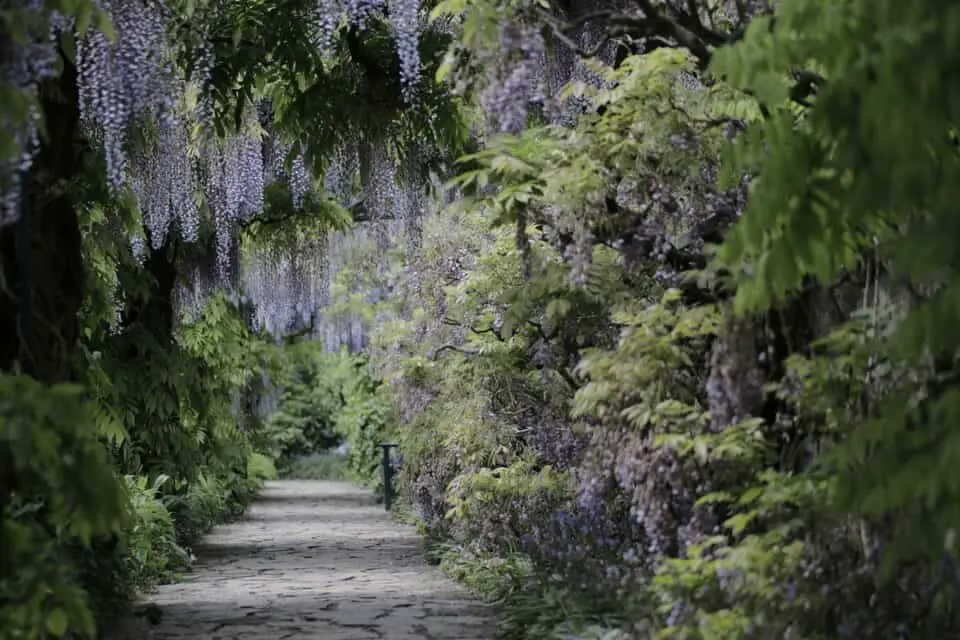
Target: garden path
[(314, 560)]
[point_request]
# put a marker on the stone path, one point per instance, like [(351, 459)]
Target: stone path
[(312, 560)]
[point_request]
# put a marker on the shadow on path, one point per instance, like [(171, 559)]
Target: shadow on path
[(314, 560)]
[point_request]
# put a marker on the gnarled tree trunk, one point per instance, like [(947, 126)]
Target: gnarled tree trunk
[(43, 274)]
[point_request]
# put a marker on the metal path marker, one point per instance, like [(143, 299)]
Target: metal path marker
[(387, 475)]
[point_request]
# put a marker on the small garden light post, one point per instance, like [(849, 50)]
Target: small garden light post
[(387, 475)]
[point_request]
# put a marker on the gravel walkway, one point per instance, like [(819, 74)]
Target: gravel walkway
[(315, 559)]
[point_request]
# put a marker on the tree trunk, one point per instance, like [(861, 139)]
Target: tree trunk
[(41, 258), (154, 313), (41, 262)]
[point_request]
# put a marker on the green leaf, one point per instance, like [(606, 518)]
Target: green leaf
[(105, 25), (57, 623), (448, 8), (69, 46)]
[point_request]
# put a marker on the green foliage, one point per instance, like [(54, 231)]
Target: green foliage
[(163, 409), (508, 583), (364, 423), (152, 554), (568, 168), (330, 399), (473, 496), (283, 225), (846, 114), (262, 52), (526, 606), (175, 402), (48, 436), (319, 466), (164, 391), (654, 377), (260, 469), (58, 494), (310, 404), (857, 440), (850, 178), (203, 505)]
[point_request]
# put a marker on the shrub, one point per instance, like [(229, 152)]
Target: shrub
[(363, 422), (320, 466), (61, 509), (152, 553), (203, 505), (260, 468), (304, 422)]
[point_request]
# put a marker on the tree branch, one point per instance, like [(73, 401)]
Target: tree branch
[(541, 332), (451, 347), (491, 329), (685, 29)]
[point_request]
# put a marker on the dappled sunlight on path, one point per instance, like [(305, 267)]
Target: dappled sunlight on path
[(315, 559)]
